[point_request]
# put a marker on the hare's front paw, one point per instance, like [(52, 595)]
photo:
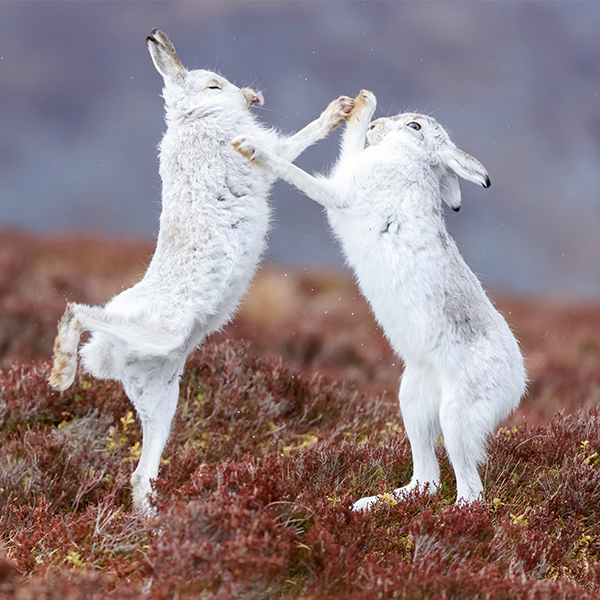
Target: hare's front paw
[(337, 112), (246, 147), (364, 106)]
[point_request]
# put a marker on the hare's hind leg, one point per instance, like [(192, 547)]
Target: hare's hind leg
[(419, 404), (77, 319), (155, 435), (65, 349), (155, 399), (466, 424)]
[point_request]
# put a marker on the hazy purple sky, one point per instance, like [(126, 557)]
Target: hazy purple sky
[(516, 83)]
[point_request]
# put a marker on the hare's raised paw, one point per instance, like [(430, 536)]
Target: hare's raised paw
[(338, 111), (364, 105), (247, 148)]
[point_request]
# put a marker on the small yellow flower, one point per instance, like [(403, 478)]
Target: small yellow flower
[(74, 558), (388, 499), (127, 420)]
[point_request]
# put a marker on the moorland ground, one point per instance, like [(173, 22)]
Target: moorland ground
[(285, 418)]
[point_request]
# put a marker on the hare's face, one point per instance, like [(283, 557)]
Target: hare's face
[(195, 89), (417, 132), (206, 87), (423, 139)]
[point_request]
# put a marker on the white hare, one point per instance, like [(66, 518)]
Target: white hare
[(464, 372), (213, 226)]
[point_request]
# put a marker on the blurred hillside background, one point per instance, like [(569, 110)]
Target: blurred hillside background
[(516, 83)]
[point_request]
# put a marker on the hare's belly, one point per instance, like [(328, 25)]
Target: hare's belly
[(394, 281), (404, 316), (211, 259)]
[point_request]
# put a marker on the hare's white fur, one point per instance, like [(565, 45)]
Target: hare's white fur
[(464, 372), (212, 233)]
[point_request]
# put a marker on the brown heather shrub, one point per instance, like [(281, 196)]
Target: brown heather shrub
[(255, 492), (268, 452)]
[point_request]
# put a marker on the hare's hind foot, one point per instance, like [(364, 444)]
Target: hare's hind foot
[(142, 495), (65, 351), (398, 495), (365, 504), (63, 370)]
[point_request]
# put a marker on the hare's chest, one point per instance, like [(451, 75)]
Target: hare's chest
[(372, 237)]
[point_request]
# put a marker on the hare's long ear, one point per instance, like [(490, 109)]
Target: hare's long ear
[(465, 166), (450, 189), (164, 56)]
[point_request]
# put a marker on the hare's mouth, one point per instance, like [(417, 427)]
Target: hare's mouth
[(375, 135)]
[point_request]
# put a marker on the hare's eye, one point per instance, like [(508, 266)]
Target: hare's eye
[(214, 85), (414, 125), (372, 126)]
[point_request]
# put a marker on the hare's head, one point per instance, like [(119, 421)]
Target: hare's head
[(424, 139), (195, 89)]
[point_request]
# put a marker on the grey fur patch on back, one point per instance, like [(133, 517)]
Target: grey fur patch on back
[(461, 306), (443, 237), (459, 316)]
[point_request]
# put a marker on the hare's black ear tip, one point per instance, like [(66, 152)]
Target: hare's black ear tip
[(487, 183), (152, 36), (456, 208)]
